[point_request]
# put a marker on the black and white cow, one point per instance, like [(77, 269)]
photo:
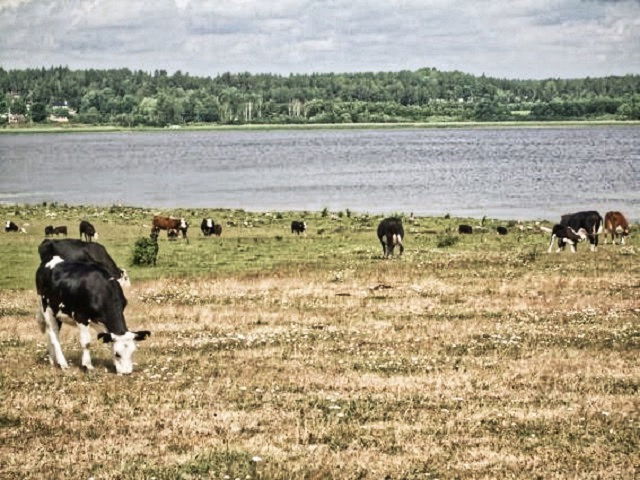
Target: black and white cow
[(87, 294), (390, 234), (87, 230), (9, 226), (73, 250), (465, 229), (207, 226), (590, 220), (566, 236), (298, 227), (501, 230)]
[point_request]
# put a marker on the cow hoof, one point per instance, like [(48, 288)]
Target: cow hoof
[(87, 368)]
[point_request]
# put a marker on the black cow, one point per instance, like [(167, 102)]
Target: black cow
[(390, 234), (85, 293), (590, 220), (11, 227), (73, 250), (501, 230), (48, 230), (87, 230), (61, 230), (566, 236), (298, 227), (465, 229)]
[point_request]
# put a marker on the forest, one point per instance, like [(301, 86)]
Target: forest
[(137, 98)]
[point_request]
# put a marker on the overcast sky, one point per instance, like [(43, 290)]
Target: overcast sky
[(502, 38)]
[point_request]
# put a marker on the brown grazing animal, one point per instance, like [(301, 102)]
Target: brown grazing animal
[(170, 223), (616, 225)]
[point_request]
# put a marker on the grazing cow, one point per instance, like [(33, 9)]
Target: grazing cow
[(298, 227), (591, 221), (73, 250), (11, 227), (88, 231), (86, 293), (465, 229), (61, 230), (169, 223), (616, 224), (48, 230), (501, 230), (566, 235), (390, 234), (207, 226)]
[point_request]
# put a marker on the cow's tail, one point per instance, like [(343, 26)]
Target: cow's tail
[(599, 227)]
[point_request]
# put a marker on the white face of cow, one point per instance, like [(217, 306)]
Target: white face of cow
[(124, 278), (183, 223), (582, 233), (7, 225), (123, 348)]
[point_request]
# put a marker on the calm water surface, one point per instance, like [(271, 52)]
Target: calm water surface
[(522, 173)]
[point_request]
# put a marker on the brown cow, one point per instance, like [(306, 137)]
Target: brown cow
[(616, 225), (170, 223)]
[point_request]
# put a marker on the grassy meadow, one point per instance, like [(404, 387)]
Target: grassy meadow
[(277, 356)]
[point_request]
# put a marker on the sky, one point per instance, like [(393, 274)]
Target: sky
[(500, 38)]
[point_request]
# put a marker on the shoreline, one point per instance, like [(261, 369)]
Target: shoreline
[(321, 126)]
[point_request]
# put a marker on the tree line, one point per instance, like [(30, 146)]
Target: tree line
[(132, 98)]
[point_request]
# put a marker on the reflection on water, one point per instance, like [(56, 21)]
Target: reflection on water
[(504, 173)]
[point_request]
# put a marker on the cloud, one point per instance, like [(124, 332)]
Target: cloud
[(517, 39)]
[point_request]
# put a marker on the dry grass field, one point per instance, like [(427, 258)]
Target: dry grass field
[(281, 357)]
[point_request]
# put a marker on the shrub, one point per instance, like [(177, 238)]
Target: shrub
[(145, 251), (446, 240)]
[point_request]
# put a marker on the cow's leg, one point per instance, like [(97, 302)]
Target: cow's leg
[(384, 247), (399, 242), (553, 237), (85, 340), (52, 329)]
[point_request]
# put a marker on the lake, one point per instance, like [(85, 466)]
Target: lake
[(508, 173)]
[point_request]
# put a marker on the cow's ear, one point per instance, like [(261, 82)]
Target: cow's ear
[(105, 337), (141, 335)]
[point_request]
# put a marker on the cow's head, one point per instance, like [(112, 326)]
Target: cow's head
[(123, 348), (124, 278), (183, 224)]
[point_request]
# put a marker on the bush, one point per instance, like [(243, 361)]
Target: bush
[(145, 251), (446, 240)]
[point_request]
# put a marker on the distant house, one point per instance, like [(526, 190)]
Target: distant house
[(58, 119), (61, 112), (14, 118)]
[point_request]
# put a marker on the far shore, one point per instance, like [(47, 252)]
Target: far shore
[(80, 128)]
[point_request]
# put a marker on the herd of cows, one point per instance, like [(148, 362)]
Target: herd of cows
[(80, 284)]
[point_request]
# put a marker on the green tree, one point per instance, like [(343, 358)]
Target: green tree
[(38, 112)]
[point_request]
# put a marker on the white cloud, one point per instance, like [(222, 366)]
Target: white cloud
[(520, 38)]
